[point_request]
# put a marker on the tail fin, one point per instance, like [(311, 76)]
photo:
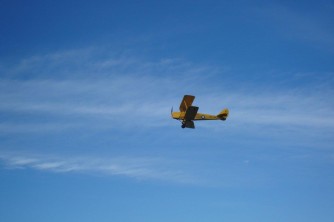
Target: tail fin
[(223, 114)]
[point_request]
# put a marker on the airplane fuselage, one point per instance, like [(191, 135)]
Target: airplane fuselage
[(199, 116)]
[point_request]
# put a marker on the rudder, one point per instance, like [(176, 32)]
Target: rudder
[(223, 114)]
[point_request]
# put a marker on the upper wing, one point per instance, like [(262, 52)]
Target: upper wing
[(186, 102)]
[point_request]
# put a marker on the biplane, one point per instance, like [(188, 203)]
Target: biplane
[(188, 113)]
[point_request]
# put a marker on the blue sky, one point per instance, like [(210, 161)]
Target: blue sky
[(86, 90)]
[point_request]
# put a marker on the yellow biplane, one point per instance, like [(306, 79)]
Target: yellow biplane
[(188, 113)]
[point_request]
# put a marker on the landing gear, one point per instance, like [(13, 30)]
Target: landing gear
[(183, 124), (188, 124)]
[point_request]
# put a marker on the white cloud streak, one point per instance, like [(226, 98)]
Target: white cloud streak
[(140, 168)]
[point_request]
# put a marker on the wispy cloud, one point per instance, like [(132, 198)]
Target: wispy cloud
[(47, 94), (141, 168), (122, 91)]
